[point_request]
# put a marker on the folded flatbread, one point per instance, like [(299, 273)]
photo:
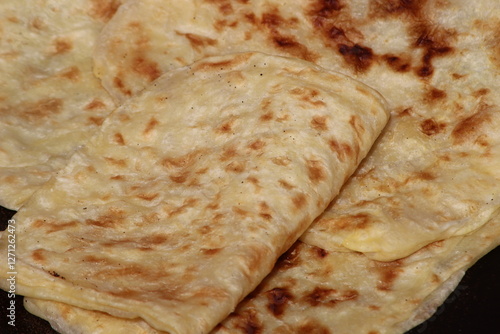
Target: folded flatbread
[(436, 62), (312, 290), (50, 101), (188, 194)]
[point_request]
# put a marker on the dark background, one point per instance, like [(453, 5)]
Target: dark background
[(473, 308)]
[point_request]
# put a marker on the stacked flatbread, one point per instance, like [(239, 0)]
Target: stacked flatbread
[(424, 201)]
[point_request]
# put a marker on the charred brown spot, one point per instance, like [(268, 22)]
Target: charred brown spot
[(315, 171), (153, 122), (118, 137), (358, 56), (299, 201), (55, 274), (430, 127), (247, 322), (290, 258), (146, 68), (396, 63), (319, 252), (410, 8), (278, 298)]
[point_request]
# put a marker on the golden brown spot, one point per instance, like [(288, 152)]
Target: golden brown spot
[(180, 177), (374, 307), (315, 171), (319, 123), (228, 153), (277, 300), (147, 197), (226, 127), (210, 251), (312, 327), (285, 184), (62, 46), (38, 24), (96, 120), (118, 137), (95, 104), (42, 109), (389, 272), (109, 220), (343, 150), (104, 9), (146, 68), (72, 73), (308, 95), (181, 161), (268, 116), (329, 297), (116, 162), (281, 161), (218, 65), (430, 127), (481, 92), (53, 227), (118, 82), (265, 211), (118, 177), (153, 122), (435, 94), (198, 42), (38, 256), (257, 144), (246, 321), (235, 167), (188, 203), (470, 126), (299, 201), (350, 222), (240, 211)]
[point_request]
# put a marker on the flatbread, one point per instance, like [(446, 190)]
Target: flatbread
[(50, 101), (313, 290), (436, 62), (182, 203)]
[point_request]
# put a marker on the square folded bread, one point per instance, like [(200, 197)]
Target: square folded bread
[(189, 192)]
